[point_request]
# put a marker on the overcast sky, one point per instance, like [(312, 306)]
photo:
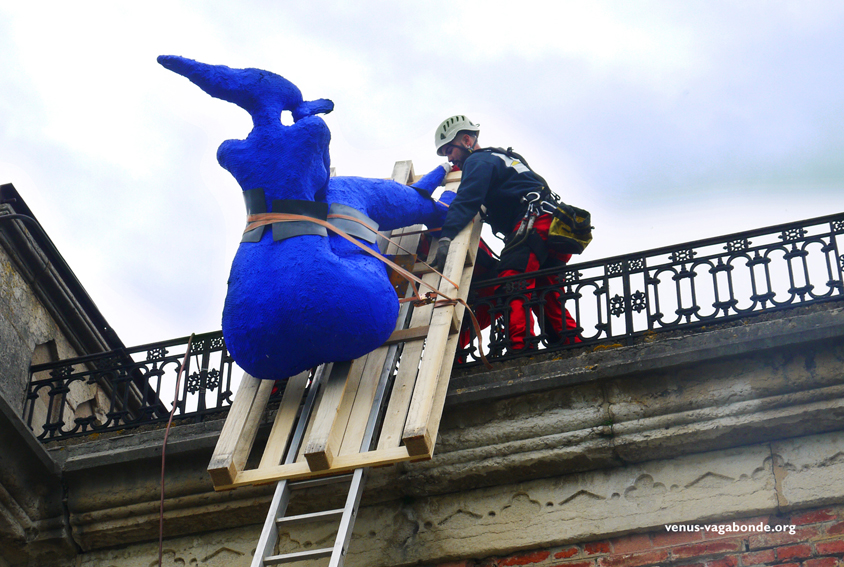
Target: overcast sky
[(669, 120)]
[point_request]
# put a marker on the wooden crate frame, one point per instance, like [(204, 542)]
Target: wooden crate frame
[(335, 428)]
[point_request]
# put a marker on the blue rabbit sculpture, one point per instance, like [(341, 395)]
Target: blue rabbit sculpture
[(299, 295)]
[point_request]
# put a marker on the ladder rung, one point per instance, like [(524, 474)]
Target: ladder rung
[(290, 557), (312, 517), (312, 482)]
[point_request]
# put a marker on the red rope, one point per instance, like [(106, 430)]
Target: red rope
[(163, 448)]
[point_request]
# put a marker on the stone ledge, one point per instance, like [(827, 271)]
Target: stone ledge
[(663, 354), (135, 446)]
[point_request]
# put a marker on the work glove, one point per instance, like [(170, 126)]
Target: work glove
[(442, 254), (447, 167)]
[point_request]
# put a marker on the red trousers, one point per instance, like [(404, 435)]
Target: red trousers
[(521, 319)]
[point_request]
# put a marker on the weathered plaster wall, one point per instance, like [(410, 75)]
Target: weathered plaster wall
[(29, 335), (230, 548), (24, 324), (808, 538)]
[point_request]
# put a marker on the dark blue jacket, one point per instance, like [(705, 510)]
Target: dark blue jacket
[(492, 179)]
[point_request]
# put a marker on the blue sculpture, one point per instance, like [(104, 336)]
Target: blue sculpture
[(299, 295)]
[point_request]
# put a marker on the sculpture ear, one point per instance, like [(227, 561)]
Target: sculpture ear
[(311, 107)]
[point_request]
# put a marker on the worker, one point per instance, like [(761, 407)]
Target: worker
[(502, 183)]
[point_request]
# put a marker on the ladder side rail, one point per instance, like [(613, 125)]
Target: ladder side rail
[(269, 533), (309, 421), (352, 505), (350, 511), (341, 409), (380, 400), (364, 397), (398, 404), (360, 441), (385, 381), (347, 521)]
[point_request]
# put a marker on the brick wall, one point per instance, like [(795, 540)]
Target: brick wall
[(817, 541)]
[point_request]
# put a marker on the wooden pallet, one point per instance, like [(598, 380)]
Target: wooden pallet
[(335, 428)]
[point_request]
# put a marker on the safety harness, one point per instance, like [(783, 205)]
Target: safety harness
[(571, 227)]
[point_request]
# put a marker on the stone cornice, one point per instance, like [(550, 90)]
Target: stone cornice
[(659, 354), (33, 524)]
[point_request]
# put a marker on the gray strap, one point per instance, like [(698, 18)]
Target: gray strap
[(255, 205), (284, 230), (353, 228)]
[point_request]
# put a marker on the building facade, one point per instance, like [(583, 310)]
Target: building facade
[(720, 445)]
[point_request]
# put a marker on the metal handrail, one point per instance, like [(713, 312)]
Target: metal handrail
[(140, 388), (680, 286)]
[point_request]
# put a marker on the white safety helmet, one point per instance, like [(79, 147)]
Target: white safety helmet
[(447, 131)]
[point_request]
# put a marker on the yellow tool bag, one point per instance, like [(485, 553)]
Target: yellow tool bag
[(571, 228)]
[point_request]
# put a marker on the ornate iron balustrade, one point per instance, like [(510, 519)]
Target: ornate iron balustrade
[(130, 387), (692, 284)]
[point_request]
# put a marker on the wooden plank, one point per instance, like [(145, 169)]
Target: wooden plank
[(359, 414), (285, 419), (403, 172), (342, 464), (321, 445), (344, 409), (417, 436), (397, 407), (445, 375), (451, 177), (239, 430), (407, 335), (327, 368), (334, 433)]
